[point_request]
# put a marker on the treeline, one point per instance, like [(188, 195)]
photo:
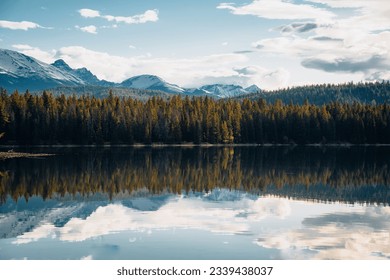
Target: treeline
[(359, 174), (45, 119), (367, 93)]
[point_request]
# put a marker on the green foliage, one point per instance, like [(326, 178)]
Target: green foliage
[(46, 119), (372, 93)]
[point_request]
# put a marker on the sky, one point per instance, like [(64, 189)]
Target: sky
[(270, 43)]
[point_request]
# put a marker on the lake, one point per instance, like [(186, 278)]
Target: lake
[(197, 203)]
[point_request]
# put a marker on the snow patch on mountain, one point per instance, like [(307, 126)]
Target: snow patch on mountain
[(253, 89), (151, 82), (20, 65), (224, 91)]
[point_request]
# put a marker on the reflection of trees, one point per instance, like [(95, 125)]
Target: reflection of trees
[(356, 174)]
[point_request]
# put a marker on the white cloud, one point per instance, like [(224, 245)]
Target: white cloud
[(297, 27), (37, 53), (346, 37), (22, 25), (89, 29), (103, 65), (249, 75), (278, 9), (88, 13), (294, 45), (147, 16), (375, 4), (367, 54), (150, 15), (132, 47)]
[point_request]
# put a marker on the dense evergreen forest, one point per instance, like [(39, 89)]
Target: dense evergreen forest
[(46, 119), (371, 93)]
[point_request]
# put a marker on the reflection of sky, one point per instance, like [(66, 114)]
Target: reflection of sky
[(227, 226), (362, 233), (227, 217)]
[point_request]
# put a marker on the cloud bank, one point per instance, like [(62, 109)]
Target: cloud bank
[(19, 25), (341, 36), (278, 9), (147, 16)]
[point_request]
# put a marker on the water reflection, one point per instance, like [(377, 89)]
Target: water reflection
[(333, 174), (361, 233), (240, 228), (214, 203), (225, 217)]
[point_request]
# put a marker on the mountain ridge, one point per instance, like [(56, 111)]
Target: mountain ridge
[(18, 71), (21, 72)]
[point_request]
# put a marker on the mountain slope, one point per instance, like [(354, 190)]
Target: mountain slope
[(151, 82), (19, 71), (224, 91), (82, 73)]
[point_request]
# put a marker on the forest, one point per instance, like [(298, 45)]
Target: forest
[(368, 92), (27, 119)]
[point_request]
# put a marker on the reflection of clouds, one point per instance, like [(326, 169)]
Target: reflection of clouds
[(43, 231), (229, 217), (274, 207), (364, 234)]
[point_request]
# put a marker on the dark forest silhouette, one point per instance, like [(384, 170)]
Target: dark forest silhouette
[(332, 174)]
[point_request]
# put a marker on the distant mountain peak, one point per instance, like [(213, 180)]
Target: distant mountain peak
[(61, 64), (83, 70), (253, 89), (82, 73), (224, 90), (146, 78), (21, 72), (151, 82)]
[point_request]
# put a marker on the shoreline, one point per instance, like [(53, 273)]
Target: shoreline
[(9, 155), (181, 145)]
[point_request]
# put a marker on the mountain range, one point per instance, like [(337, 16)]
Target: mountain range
[(21, 72)]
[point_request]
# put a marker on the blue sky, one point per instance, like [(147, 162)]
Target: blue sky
[(271, 43)]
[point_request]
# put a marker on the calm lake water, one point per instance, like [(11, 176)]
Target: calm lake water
[(197, 203)]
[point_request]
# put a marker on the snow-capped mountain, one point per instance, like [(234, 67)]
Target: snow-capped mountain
[(151, 82), (252, 89), (21, 72), (82, 73), (224, 91)]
